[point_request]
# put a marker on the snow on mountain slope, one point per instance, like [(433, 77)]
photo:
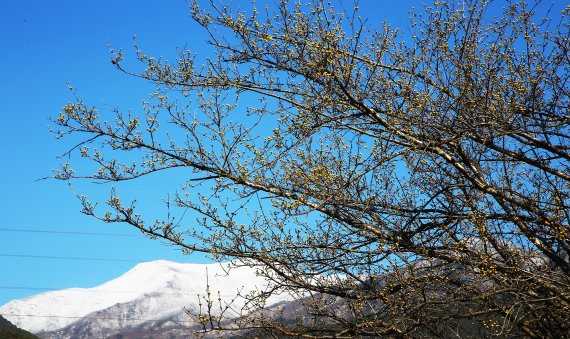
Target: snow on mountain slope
[(165, 287), (150, 312)]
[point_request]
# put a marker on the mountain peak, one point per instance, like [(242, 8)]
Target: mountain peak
[(158, 288)]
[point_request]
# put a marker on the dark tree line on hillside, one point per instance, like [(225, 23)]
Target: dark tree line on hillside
[(9, 330), (400, 183)]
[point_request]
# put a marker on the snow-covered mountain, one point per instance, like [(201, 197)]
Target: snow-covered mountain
[(149, 297)]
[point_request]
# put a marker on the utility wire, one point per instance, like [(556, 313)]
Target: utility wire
[(28, 288), (78, 289), (88, 317), (68, 258), (88, 290), (65, 232)]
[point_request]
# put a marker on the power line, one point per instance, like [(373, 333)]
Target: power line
[(65, 232), (79, 289), (31, 256), (28, 288), (88, 290), (90, 317)]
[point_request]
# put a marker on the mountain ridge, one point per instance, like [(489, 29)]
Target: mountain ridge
[(151, 292)]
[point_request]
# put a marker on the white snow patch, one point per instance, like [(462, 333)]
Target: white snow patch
[(174, 285)]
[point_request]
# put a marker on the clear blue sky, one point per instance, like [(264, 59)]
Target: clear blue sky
[(44, 45)]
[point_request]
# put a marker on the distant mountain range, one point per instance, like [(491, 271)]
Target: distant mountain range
[(145, 302), (149, 302)]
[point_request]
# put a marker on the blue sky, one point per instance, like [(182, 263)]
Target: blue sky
[(45, 44)]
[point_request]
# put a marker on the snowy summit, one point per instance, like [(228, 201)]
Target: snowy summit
[(149, 292)]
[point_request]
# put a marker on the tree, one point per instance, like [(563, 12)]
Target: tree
[(399, 184), (9, 330)]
